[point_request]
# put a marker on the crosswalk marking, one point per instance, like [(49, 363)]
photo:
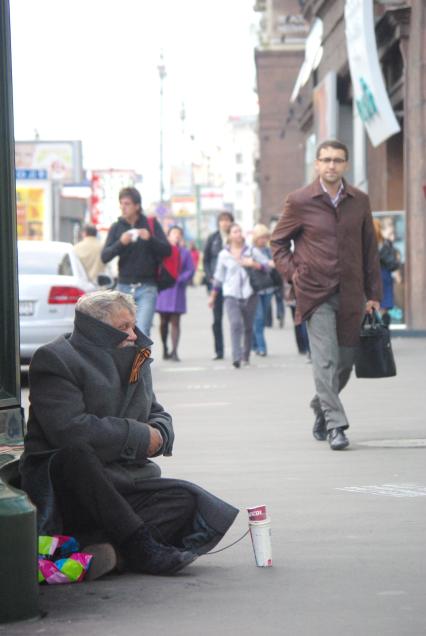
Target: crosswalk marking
[(389, 490)]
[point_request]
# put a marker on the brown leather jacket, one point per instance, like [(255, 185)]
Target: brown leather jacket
[(334, 249)]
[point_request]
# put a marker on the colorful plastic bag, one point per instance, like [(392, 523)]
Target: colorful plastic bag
[(59, 560)]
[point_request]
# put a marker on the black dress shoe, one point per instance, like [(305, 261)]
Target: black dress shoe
[(320, 428), (337, 439)]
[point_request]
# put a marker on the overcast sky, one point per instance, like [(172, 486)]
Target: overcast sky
[(87, 69)]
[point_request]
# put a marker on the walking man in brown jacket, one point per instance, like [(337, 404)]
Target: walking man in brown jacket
[(334, 267)]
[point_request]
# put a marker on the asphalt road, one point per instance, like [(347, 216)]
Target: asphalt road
[(348, 528)]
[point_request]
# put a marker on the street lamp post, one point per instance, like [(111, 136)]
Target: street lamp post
[(162, 74)]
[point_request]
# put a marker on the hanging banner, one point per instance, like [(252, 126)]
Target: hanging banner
[(369, 89)]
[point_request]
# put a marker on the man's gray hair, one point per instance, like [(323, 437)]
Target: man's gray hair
[(103, 304)]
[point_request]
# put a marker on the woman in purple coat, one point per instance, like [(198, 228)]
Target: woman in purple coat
[(171, 303)]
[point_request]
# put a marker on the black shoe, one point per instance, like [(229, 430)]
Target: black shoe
[(142, 553), (337, 439), (166, 355), (174, 356), (218, 356), (320, 428), (237, 364)]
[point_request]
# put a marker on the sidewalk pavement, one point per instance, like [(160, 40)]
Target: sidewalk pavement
[(348, 528)]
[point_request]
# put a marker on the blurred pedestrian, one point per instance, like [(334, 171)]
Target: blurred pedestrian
[(240, 300), (214, 244), (300, 330), (195, 254), (139, 250), (260, 240), (278, 301), (333, 267), (389, 263), (89, 251), (278, 296), (171, 302)]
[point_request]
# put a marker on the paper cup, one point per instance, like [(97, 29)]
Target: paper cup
[(260, 532), (134, 234), (257, 513)]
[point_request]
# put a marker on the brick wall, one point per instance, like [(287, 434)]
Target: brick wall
[(281, 143)]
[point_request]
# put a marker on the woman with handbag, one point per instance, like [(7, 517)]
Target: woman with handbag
[(260, 239), (236, 262), (389, 263), (171, 302)]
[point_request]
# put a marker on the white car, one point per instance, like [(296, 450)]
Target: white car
[(51, 280)]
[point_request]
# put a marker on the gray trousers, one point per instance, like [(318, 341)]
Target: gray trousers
[(241, 317), (331, 364)]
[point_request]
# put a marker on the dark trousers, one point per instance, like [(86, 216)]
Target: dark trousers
[(301, 334), (280, 309), (217, 324), (93, 509)]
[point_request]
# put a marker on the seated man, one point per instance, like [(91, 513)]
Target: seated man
[(94, 423)]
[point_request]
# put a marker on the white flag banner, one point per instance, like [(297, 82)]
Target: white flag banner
[(369, 88)]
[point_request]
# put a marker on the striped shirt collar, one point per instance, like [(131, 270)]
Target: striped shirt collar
[(334, 200)]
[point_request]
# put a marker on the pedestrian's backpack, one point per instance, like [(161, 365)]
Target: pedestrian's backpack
[(169, 267)]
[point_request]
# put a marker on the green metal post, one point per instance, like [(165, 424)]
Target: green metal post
[(18, 536), (18, 550)]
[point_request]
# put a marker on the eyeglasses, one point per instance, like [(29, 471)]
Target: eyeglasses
[(328, 160)]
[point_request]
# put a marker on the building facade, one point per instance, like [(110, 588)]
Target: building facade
[(336, 93), (278, 57), (240, 152)]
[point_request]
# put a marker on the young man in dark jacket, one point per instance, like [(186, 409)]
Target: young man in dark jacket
[(215, 242), (94, 427), (140, 250)]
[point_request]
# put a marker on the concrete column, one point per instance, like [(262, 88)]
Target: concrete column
[(415, 162)]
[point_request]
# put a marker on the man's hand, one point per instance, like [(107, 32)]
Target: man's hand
[(156, 441), (144, 234), (372, 305), (248, 261), (126, 238), (212, 299)]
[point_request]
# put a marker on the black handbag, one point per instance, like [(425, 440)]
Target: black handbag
[(374, 355), (259, 279)]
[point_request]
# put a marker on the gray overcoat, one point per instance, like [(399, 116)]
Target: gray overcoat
[(80, 391)]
